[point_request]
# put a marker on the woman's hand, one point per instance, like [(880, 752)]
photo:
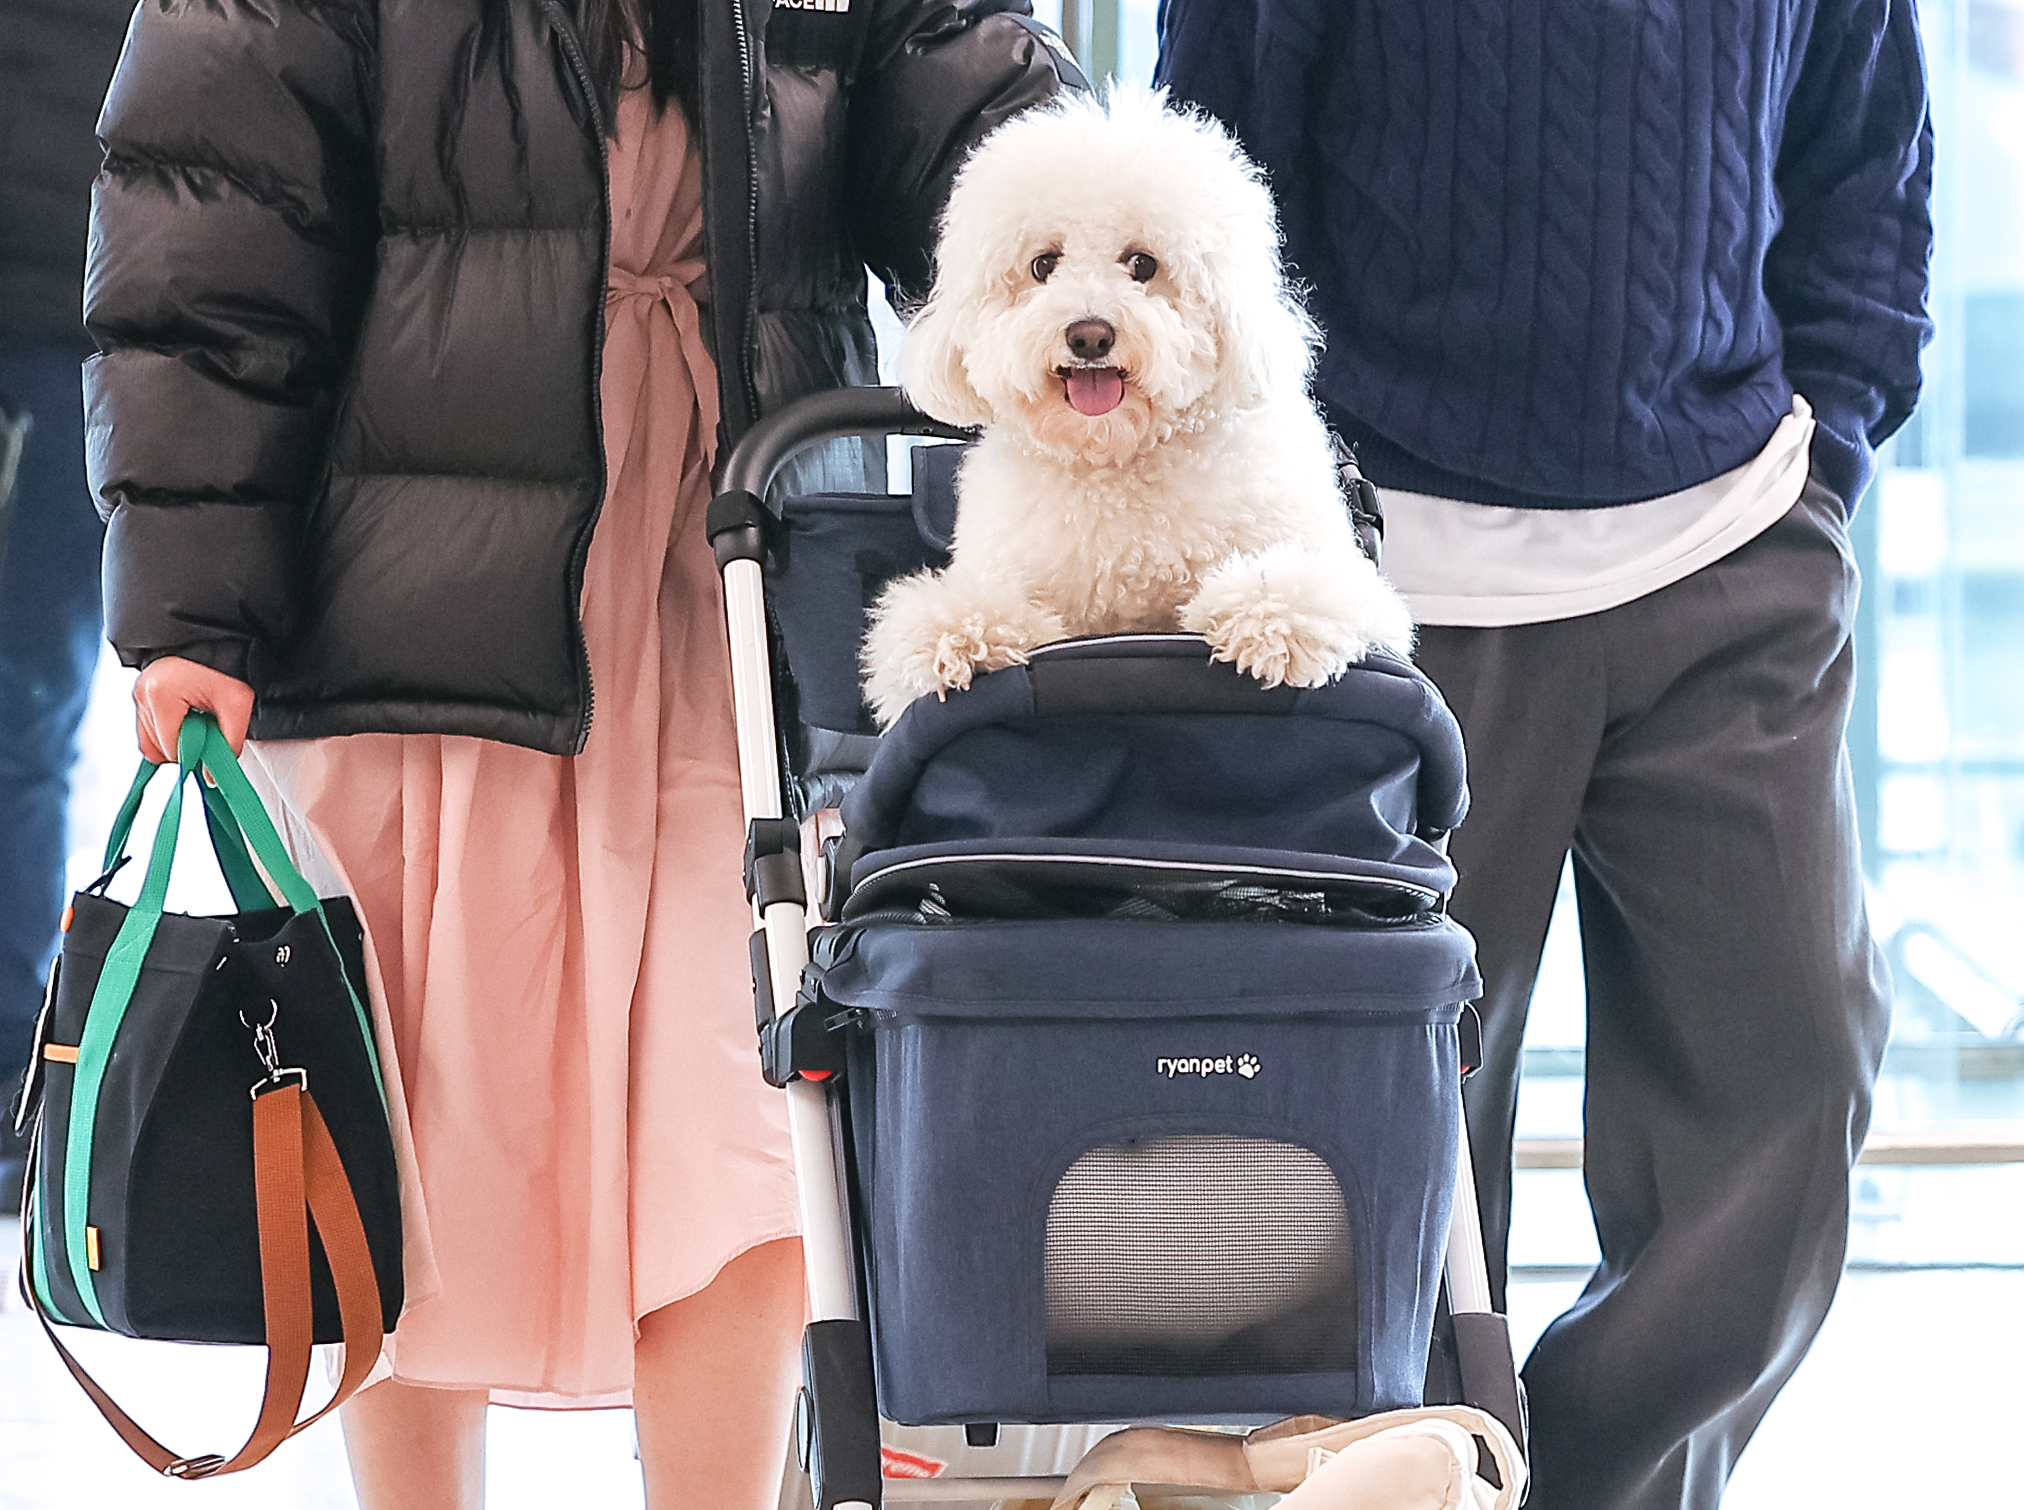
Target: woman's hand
[(172, 687)]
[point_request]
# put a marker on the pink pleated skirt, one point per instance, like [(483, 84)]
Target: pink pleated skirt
[(557, 945)]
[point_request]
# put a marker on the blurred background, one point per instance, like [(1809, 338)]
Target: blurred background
[(1915, 1382)]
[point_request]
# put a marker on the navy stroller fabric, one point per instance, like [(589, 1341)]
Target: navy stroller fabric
[(1153, 1159), (829, 557), (995, 1056), (1141, 746)]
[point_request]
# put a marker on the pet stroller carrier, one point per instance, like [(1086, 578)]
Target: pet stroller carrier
[(1124, 1079)]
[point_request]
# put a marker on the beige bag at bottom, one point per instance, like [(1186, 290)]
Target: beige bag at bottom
[(1403, 1460)]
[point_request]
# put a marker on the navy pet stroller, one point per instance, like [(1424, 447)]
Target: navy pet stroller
[(1125, 1069)]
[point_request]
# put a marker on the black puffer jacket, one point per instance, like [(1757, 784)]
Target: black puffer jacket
[(55, 56), (347, 278)]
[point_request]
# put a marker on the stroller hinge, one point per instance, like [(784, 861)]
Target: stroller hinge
[(773, 862), (737, 523), (804, 1043)]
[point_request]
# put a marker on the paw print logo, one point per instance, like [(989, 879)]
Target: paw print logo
[(1247, 1065)]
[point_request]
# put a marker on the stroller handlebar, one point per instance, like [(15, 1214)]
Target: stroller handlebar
[(768, 446)]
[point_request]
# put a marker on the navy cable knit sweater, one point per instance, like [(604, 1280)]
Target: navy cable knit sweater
[(1582, 252)]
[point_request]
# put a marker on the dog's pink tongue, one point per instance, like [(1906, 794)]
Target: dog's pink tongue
[(1095, 390)]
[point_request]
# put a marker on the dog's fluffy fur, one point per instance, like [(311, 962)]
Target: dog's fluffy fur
[(1207, 498)]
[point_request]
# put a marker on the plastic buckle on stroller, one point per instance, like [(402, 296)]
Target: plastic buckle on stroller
[(762, 981), (840, 854), (773, 862), (802, 1044), (1366, 510)]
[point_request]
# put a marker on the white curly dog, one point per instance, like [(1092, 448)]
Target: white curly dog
[(1110, 307)]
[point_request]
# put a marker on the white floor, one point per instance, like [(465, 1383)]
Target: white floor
[(1910, 1399), (55, 1453)]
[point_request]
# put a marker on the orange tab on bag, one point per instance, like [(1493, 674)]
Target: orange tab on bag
[(69, 912), (61, 1053)]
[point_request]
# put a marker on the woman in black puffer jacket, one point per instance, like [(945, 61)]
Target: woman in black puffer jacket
[(419, 325)]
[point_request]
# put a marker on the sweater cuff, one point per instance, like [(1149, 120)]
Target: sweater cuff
[(1842, 458)]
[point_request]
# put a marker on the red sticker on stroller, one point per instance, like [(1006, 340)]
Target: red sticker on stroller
[(908, 1465)]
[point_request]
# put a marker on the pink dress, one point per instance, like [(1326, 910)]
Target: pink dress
[(558, 946)]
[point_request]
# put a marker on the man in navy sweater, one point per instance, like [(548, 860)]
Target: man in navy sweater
[(1619, 299)]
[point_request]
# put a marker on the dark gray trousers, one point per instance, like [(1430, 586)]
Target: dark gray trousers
[(1687, 747)]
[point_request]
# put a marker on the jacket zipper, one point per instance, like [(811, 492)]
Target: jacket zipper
[(580, 552), (731, 203), (748, 380)]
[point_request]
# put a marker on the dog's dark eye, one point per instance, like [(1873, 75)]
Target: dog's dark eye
[(1043, 266), (1141, 266)]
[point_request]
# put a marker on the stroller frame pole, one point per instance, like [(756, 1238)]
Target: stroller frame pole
[(1468, 1271), (836, 1421), (837, 1424), (1482, 1336), (825, 1233)]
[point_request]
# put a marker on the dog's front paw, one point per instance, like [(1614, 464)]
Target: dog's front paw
[(978, 643), (1263, 642), (928, 635), (1294, 617)]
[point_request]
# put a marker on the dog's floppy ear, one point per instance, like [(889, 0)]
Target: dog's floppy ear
[(1267, 340), (932, 370)]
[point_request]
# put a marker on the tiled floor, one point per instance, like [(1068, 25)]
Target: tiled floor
[(1910, 1399)]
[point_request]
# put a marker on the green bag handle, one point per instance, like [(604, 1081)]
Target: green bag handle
[(201, 751), (249, 888)]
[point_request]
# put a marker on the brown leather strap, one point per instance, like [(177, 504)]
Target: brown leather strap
[(351, 1268), (296, 1175)]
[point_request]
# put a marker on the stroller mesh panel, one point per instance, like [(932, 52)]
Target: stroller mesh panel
[(1199, 1256)]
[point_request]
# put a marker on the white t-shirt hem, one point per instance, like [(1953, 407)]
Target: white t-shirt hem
[(1482, 566)]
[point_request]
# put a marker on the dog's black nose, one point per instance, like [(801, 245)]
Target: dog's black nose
[(1091, 340)]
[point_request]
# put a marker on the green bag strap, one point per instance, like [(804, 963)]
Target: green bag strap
[(249, 816), (248, 887), (200, 748), (123, 825), (109, 999)]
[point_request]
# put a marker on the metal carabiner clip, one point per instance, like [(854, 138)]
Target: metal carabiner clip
[(264, 1045)]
